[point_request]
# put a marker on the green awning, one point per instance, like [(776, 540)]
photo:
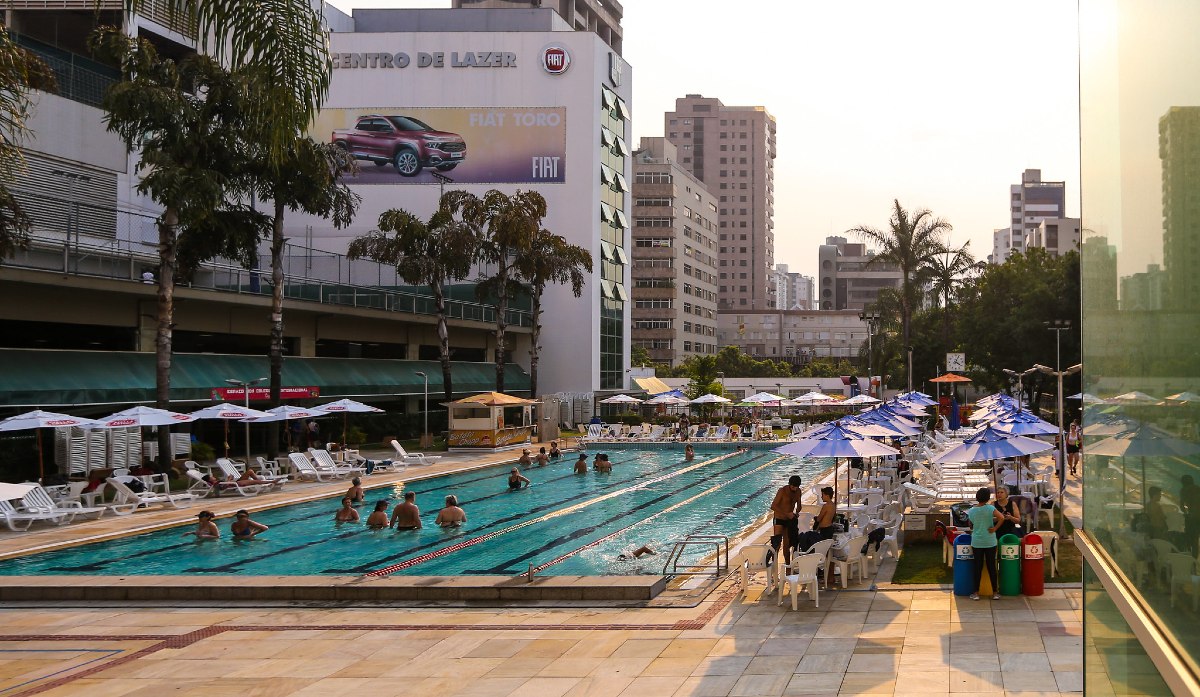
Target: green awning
[(41, 378)]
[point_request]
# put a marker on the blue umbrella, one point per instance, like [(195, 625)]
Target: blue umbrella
[(836, 442), (955, 419), (1024, 423)]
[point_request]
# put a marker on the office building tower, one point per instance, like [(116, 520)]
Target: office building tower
[(674, 250), (1055, 235), (1030, 202), (793, 291), (732, 150), (1179, 150), (848, 278)]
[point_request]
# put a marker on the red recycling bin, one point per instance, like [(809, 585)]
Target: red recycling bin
[(1033, 572)]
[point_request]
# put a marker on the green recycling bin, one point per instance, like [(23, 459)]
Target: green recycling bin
[(1010, 565)]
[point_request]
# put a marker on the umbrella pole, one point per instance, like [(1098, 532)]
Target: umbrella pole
[(226, 441), (41, 467)]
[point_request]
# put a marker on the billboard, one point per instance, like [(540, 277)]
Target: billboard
[(471, 145)]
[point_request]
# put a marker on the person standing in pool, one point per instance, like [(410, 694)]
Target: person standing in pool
[(525, 460), (516, 480), (206, 529), (245, 529), (379, 517), (355, 493), (451, 516), (542, 458), (347, 513), (602, 464), (581, 464), (555, 453), (407, 516), (689, 453)]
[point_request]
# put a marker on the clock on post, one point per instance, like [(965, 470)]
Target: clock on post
[(956, 362)]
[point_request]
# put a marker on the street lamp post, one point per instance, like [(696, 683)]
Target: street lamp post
[(721, 378), (425, 440), (1020, 384), (1058, 327), (245, 385), (871, 318)]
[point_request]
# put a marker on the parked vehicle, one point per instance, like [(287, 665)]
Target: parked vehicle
[(407, 143)]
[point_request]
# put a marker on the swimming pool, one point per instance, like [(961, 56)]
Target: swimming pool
[(565, 524)]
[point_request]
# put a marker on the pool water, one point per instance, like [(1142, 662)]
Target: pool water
[(564, 524)]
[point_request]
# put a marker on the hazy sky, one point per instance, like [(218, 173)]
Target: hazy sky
[(941, 104)]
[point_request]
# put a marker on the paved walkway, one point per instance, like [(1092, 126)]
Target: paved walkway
[(892, 642)]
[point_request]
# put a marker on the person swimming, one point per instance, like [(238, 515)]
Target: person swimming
[(516, 480), (245, 529)]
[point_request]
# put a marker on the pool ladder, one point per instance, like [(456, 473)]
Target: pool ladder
[(717, 566)]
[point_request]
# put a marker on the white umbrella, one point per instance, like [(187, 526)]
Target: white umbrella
[(813, 397), (764, 397), (711, 399), (286, 412), (1134, 397), (860, 399), (345, 407), (1181, 398), (229, 412), (8, 491), (621, 399), (143, 416), (38, 419), (667, 399)]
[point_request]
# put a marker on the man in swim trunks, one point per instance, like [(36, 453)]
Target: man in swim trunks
[(451, 516), (516, 481), (581, 464), (785, 508), (407, 516)]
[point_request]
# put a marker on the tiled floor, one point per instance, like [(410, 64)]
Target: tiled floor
[(863, 643)]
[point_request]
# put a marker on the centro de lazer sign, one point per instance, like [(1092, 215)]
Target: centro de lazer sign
[(435, 59)]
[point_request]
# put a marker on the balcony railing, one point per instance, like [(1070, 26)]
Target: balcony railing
[(79, 78)]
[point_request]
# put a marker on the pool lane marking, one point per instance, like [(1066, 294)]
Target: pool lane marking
[(549, 516), (664, 511)]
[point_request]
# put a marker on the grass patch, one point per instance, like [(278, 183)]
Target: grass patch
[(921, 562)]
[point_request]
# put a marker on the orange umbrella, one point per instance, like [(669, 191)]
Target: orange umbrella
[(950, 377)]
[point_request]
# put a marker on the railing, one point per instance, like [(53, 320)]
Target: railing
[(79, 78), (717, 565)]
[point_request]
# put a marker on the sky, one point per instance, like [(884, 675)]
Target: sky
[(939, 104)]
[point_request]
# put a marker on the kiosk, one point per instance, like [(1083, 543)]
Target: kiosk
[(491, 421)]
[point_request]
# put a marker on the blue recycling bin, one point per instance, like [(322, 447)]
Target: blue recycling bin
[(964, 565)]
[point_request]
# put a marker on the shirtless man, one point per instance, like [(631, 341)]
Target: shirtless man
[(379, 517), (451, 516), (581, 464), (355, 493), (525, 460), (407, 516), (602, 464), (784, 507)]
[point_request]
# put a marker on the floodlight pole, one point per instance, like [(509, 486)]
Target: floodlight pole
[(871, 318), (721, 378), (245, 385), (1020, 384), (425, 440)]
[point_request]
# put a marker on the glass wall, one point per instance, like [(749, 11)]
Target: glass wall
[(1140, 258)]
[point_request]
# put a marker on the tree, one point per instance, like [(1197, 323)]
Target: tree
[(553, 260), (21, 72), (945, 272), (194, 156), (504, 227), (305, 179), (639, 356), (911, 242), (424, 253)]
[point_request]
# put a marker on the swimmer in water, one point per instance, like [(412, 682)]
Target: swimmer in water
[(689, 453), (581, 464), (347, 513), (379, 517), (245, 529), (516, 480), (637, 553), (451, 516), (206, 529)]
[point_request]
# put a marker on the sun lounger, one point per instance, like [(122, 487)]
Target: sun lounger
[(201, 488), (408, 458), (39, 500), (19, 520), (324, 461), (305, 469), (229, 470), (125, 495), (594, 433)]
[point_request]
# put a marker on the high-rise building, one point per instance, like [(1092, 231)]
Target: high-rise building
[(1143, 291), (796, 336), (1055, 235), (1098, 273), (1179, 150), (1031, 202), (732, 150), (602, 17), (793, 291), (674, 250), (849, 278)]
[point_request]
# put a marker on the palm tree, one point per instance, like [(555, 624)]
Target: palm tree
[(946, 271), (21, 72), (911, 242), (424, 253), (307, 179), (554, 261), (504, 227)]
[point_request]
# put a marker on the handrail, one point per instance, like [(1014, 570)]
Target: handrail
[(720, 544), (82, 256)]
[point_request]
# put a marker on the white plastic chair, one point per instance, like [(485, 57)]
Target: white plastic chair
[(1050, 545), (756, 558), (1182, 568), (801, 572), (408, 458), (854, 561)]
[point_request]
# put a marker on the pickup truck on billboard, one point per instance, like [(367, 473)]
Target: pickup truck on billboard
[(407, 143)]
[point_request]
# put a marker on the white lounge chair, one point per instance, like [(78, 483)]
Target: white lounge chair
[(325, 461), (656, 434), (201, 488), (408, 458), (305, 469), (125, 495), (230, 471), (39, 500), (594, 433), (19, 520)]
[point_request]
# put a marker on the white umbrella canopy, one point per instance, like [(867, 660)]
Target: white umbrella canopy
[(668, 399), (621, 399), (1134, 397), (813, 397), (1180, 398), (225, 410), (711, 399), (860, 399), (8, 491), (286, 412), (343, 406), (764, 397), (38, 419), (143, 416)]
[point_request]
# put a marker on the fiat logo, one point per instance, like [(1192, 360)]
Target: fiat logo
[(556, 60)]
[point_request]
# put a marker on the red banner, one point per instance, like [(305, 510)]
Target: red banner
[(238, 394)]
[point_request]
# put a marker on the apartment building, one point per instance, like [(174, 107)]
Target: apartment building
[(601, 17), (793, 291), (674, 251), (1031, 202), (849, 278), (796, 336)]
